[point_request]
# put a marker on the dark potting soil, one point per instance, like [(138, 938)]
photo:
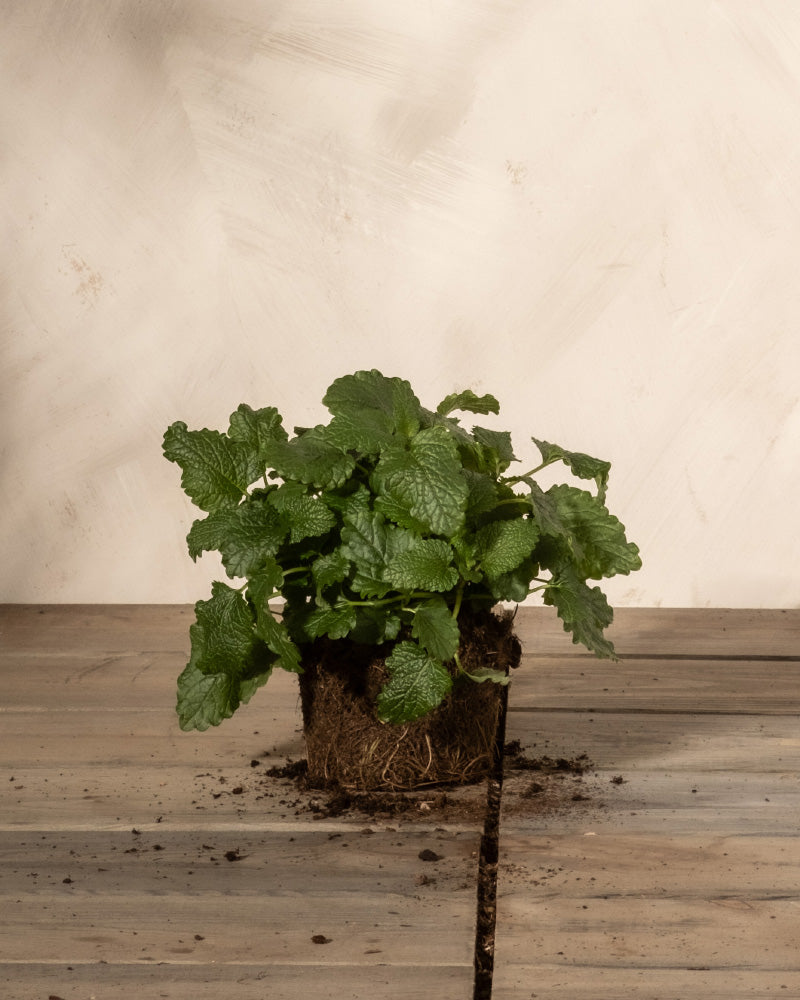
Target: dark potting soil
[(348, 748)]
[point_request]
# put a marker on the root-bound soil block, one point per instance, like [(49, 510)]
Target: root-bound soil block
[(348, 747)]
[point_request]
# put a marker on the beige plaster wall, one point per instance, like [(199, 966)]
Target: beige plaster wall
[(588, 209)]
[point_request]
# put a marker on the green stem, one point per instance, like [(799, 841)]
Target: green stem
[(509, 480), (459, 598), (504, 503), (384, 601)]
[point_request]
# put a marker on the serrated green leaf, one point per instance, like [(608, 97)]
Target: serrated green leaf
[(366, 432), (223, 637), (496, 450), (436, 630), (355, 399), (580, 464), (336, 622), (346, 502), (208, 699), (425, 480), (228, 661), (467, 400), (594, 537), (264, 584), (255, 430), (330, 569), (515, 585), (584, 611), (420, 564), (276, 637), (481, 495), (417, 684), (397, 511), (306, 515), (245, 536), (311, 458), (215, 470), (502, 545), (364, 543), (205, 699), (545, 510)]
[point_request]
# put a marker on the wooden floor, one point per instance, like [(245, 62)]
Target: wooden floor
[(139, 861)]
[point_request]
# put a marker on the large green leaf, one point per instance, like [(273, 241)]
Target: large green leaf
[(502, 545), (417, 684), (255, 430), (545, 510), (584, 611), (595, 538), (366, 432), (425, 480), (245, 536), (580, 464), (420, 564), (215, 470), (312, 458), (356, 399), (228, 661), (365, 541), (306, 515), (436, 629), (207, 699), (223, 634)]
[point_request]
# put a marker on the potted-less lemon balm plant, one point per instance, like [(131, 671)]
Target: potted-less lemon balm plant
[(385, 539)]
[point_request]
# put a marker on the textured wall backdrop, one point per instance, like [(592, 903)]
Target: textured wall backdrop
[(589, 209)]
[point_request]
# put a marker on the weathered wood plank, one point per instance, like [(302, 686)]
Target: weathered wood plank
[(320, 979), (227, 901), (615, 902), (134, 738), (95, 628), (719, 685), (88, 900), (683, 879), (678, 774), (619, 864), (521, 982), (643, 632), (148, 680)]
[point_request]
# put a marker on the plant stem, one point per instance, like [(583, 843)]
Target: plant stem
[(459, 598), (508, 480)]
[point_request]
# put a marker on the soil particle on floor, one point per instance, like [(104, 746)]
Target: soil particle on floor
[(533, 785)]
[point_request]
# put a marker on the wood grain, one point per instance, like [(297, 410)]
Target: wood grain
[(672, 866)]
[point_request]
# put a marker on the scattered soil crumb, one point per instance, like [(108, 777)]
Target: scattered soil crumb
[(532, 785)]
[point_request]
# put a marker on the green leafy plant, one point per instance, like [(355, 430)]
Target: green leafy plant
[(383, 526)]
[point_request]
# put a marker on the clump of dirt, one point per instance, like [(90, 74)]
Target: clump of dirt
[(543, 784)]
